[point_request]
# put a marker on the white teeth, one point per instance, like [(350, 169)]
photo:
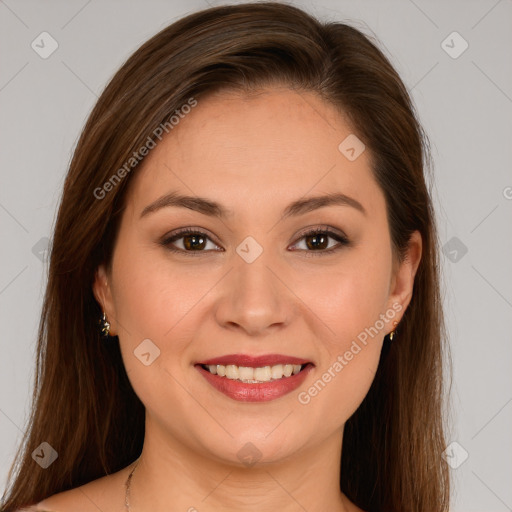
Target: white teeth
[(246, 373), (232, 371), (263, 374), (277, 371), (253, 375)]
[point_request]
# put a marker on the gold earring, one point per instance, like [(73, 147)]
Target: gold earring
[(104, 325), (392, 333)]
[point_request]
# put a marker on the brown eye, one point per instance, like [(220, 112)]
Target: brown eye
[(194, 242), (191, 240), (317, 241)]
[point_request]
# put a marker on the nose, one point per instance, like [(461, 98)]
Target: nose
[(254, 298)]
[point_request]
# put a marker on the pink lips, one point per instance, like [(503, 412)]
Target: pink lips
[(255, 361), (262, 392)]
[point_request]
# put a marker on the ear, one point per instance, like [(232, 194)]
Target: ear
[(103, 293), (402, 282)]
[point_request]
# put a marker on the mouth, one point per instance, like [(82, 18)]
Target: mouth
[(255, 379), (255, 375)]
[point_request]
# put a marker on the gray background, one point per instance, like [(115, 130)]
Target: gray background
[(464, 103)]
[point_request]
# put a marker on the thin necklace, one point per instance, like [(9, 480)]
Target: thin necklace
[(127, 485)]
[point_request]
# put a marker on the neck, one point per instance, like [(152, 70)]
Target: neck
[(172, 472)]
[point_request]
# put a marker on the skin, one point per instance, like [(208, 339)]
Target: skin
[(254, 154)]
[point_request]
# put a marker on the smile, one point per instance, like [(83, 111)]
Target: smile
[(254, 375), (255, 384)]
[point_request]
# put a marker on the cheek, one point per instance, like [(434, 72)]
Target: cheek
[(340, 386), (346, 299), (347, 303), (157, 299), (151, 294), (350, 304), (152, 302)]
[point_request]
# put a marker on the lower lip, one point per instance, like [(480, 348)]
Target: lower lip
[(263, 392)]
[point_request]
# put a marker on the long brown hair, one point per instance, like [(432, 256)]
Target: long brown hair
[(83, 403)]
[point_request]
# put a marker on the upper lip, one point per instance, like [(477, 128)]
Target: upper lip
[(254, 361)]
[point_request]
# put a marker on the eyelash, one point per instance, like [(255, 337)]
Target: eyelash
[(341, 239)]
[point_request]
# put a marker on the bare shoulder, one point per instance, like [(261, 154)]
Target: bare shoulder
[(105, 493)]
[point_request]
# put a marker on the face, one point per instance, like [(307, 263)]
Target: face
[(254, 281)]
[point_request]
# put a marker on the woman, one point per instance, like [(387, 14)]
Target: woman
[(247, 215)]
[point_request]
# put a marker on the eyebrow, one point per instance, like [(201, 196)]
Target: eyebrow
[(214, 209)]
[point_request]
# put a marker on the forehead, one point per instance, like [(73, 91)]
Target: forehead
[(256, 150)]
